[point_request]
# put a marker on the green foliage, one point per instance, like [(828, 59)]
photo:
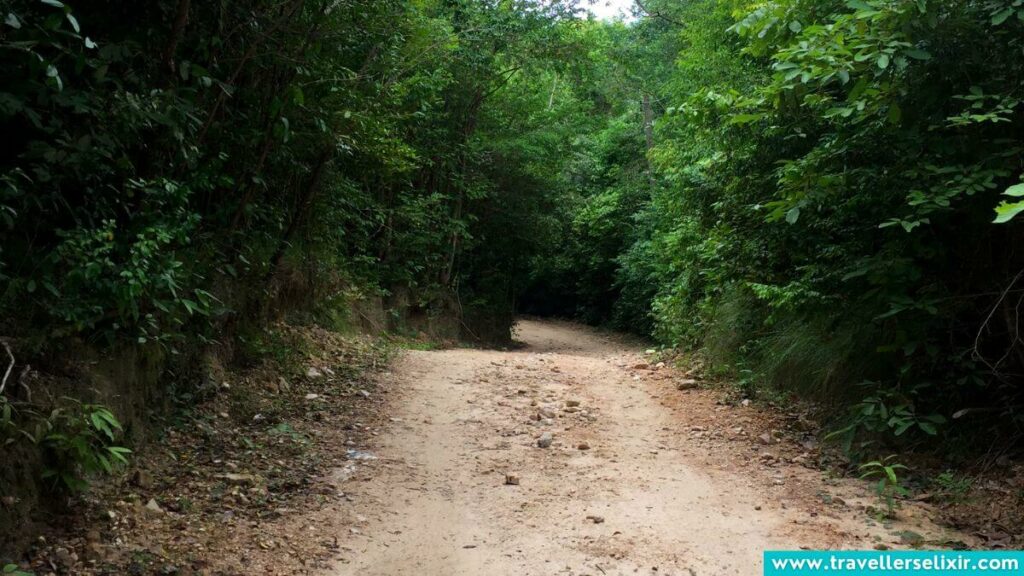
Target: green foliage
[(952, 487), (80, 443), (820, 212), (13, 570), (77, 441), (167, 172), (889, 486), (887, 412)]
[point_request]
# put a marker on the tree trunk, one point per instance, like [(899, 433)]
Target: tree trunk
[(648, 135), (177, 32), (305, 201)]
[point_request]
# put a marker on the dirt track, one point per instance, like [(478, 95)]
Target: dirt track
[(670, 482)]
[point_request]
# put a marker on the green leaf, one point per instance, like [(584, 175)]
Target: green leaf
[(1015, 190), (74, 22), (12, 21), (52, 72), (745, 118), (54, 3), (287, 128), (1006, 211), (793, 215), (883, 61), (890, 472), (895, 114), (1001, 16)]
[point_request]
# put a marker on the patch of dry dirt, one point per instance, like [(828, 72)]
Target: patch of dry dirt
[(641, 477)]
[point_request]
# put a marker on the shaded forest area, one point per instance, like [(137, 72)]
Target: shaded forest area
[(822, 208), (810, 199)]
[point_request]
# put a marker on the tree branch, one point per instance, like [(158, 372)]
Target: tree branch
[(3, 384), (659, 15)]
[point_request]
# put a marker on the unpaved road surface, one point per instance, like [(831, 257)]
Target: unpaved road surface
[(667, 481)]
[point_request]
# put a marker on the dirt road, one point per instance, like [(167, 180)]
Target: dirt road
[(640, 478)]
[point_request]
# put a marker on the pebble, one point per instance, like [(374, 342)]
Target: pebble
[(545, 440), (238, 479), (153, 506)]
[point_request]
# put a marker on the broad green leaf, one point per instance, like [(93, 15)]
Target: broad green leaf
[(793, 215), (1006, 211), (745, 118), (1015, 190), (895, 114), (890, 472), (1001, 16)]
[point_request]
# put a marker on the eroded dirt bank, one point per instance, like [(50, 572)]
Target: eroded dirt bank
[(640, 477)]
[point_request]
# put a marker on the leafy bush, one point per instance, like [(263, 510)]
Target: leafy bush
[(78, 441), (832, 201)]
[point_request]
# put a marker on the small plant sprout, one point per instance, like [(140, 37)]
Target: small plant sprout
[(889, 485)]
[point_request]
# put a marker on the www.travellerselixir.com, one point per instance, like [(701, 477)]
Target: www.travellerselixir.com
[(895, 562)]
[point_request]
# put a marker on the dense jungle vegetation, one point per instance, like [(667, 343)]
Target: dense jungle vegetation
[(816, 198)]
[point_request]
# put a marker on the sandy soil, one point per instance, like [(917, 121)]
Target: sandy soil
[(641, 478)]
